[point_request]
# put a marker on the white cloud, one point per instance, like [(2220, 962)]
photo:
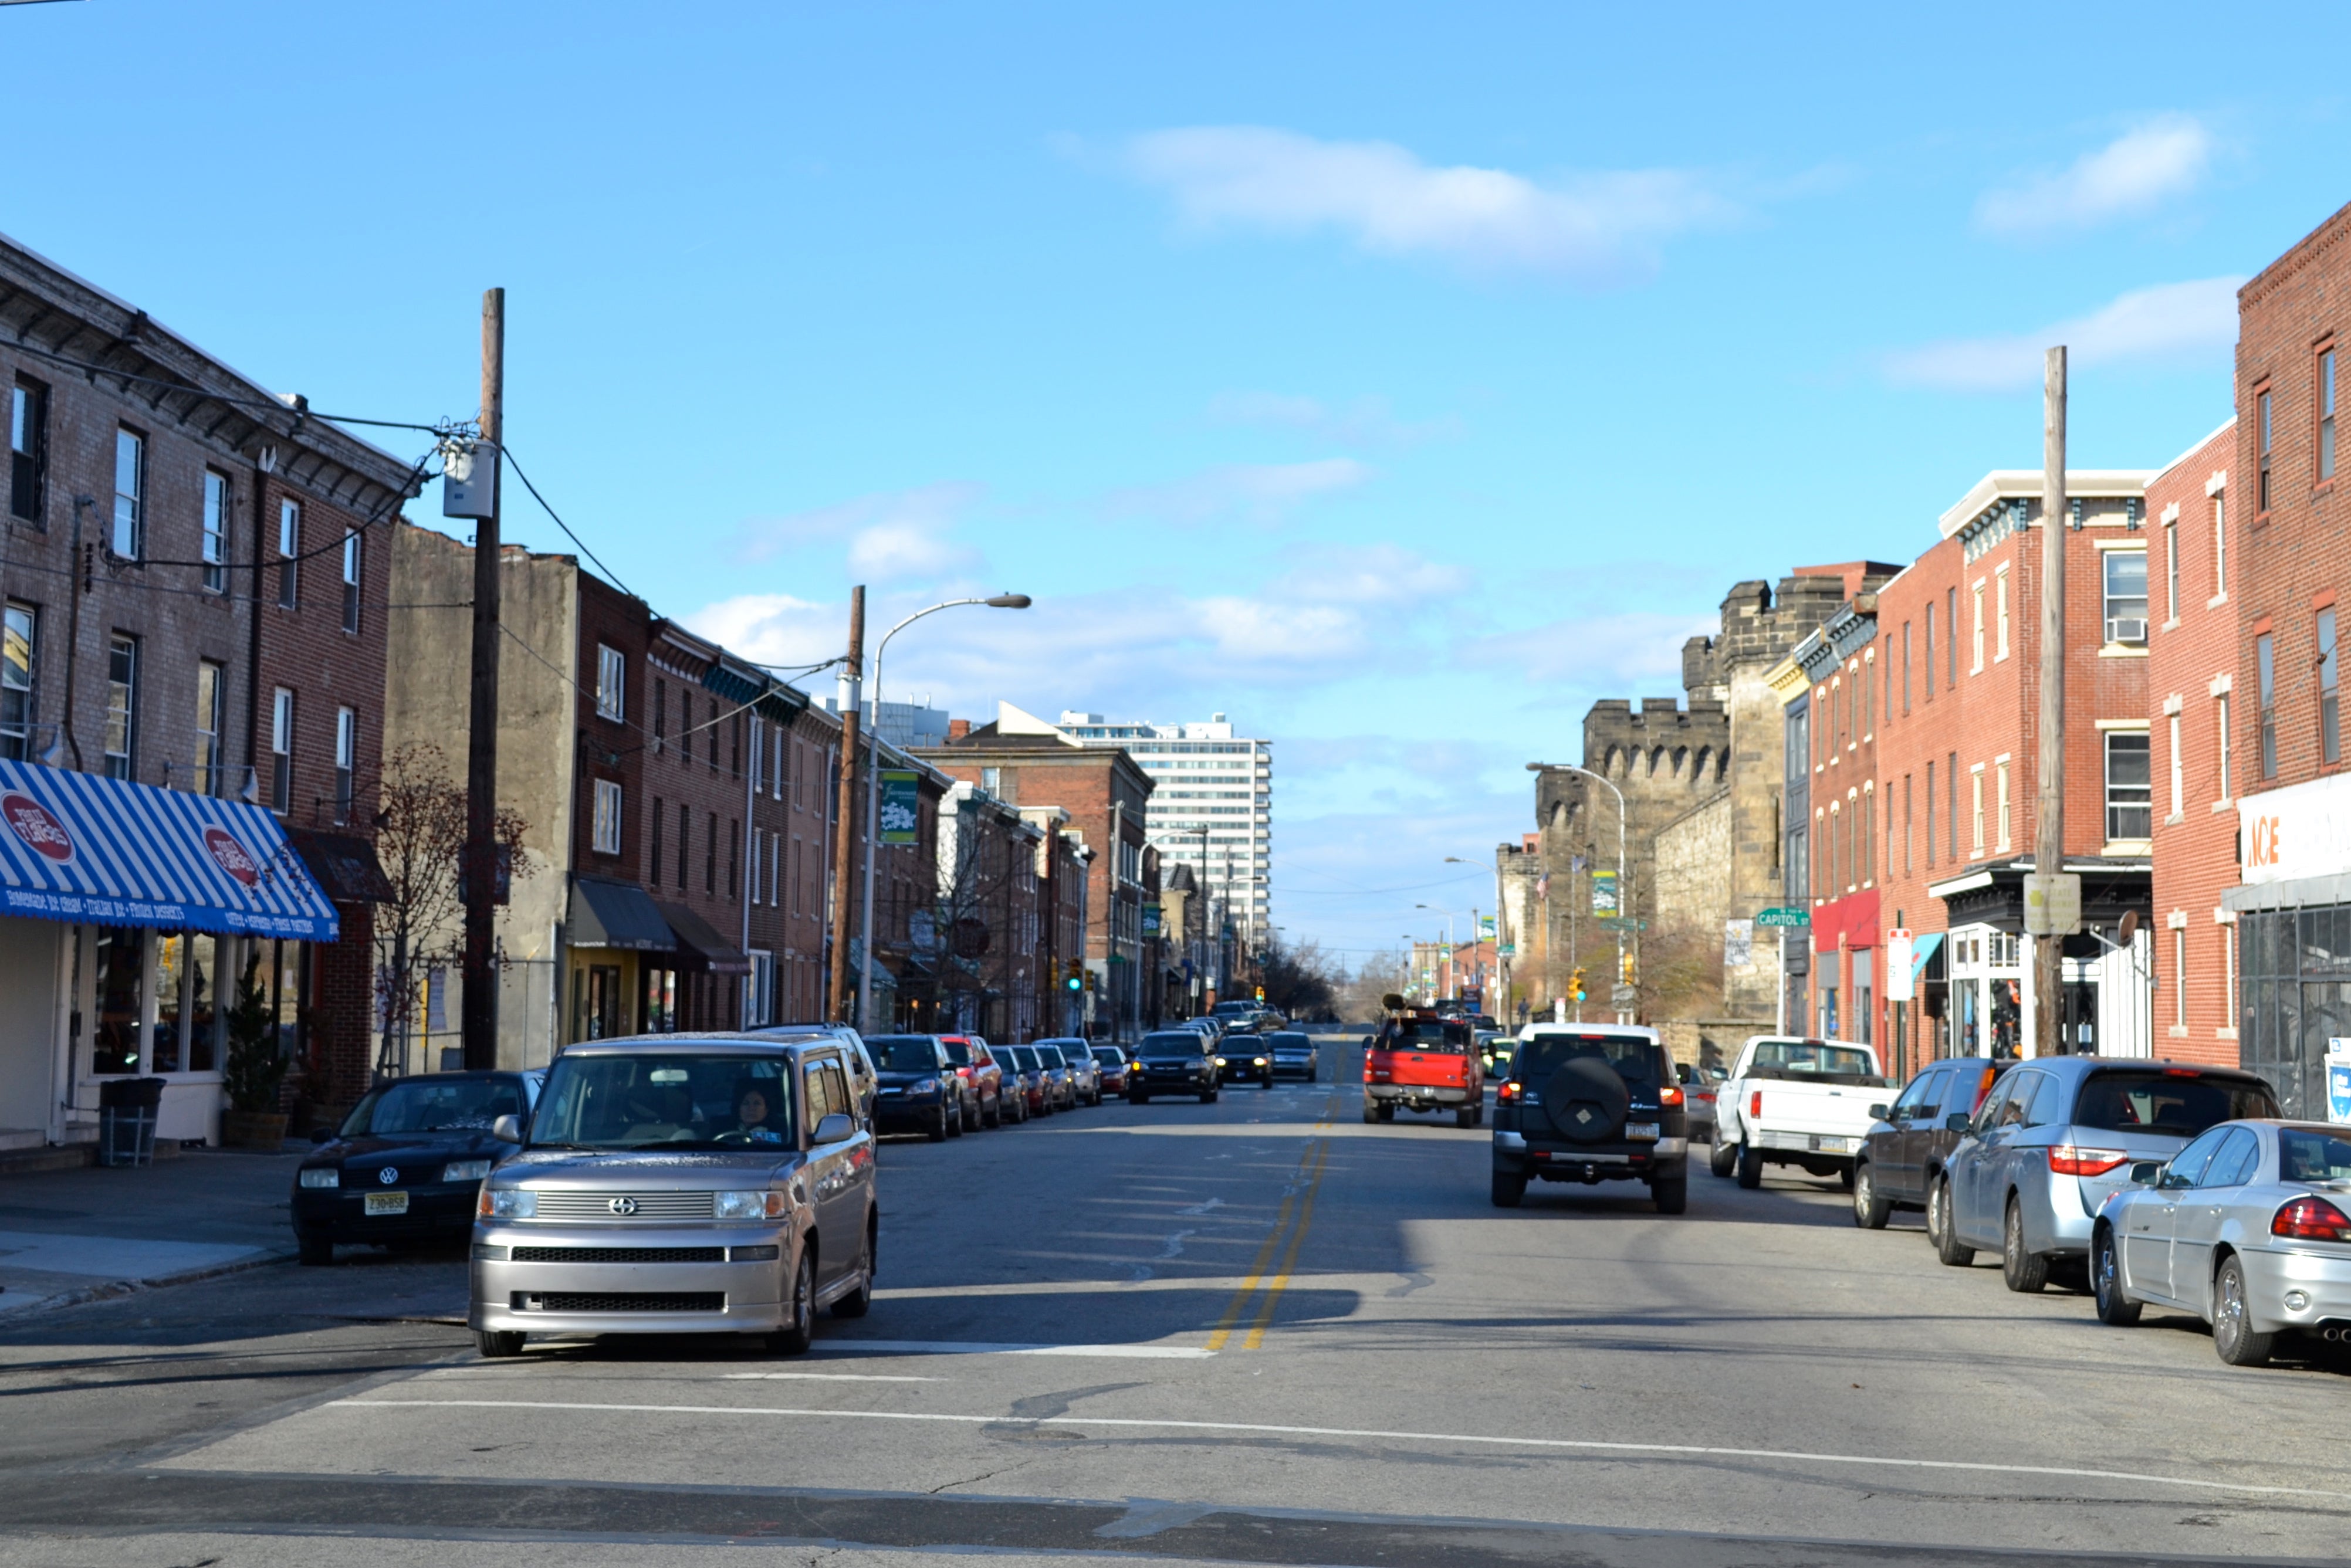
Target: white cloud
[(1599, 228), (1363, 422), (1260, 492), (889, 534), (2170, 320), (2135, 173)]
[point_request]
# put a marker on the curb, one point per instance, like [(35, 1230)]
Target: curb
[(109, 1289)]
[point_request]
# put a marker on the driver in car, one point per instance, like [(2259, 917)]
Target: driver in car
[(752, 1113)]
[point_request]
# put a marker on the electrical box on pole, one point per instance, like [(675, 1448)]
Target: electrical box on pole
[(469, 480)]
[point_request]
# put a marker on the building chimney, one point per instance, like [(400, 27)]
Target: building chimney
[(958, 729)]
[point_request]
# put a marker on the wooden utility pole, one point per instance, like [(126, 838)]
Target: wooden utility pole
[(479, 1020), (2049, 818), (853, 698)]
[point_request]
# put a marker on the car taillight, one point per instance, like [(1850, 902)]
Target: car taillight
[(1755, 1103), (2070, 1159), (1508, 1093), (2311, 1220)]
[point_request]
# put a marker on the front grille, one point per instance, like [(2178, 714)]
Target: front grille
[(652, 1206), (620, 1254), (622, 1302)]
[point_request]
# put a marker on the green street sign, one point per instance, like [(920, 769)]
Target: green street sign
[(1622, 923), (1785, 917)]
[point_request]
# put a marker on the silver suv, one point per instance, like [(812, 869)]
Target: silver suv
[(667, 1184)]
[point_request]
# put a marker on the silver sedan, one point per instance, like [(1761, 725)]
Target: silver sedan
[(2246, 1228)]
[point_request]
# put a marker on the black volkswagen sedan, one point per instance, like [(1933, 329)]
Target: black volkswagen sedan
[(1172, 1062), (917, 1079), (408, 1162)]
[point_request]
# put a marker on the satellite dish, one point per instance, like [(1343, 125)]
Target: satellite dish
[(2127, 932)]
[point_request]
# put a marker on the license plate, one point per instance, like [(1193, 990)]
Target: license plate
[(1640, 1129), (1831, 1145), (387, 1203)]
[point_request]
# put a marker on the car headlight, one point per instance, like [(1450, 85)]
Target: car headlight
[(322, 1175), (507, 1203), (924, 1086), (1221, 1062), (758, 1204), (464, 1170), (1261, 1061)]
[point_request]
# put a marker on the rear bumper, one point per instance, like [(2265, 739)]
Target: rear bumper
[(1416, 1093), (1815, 1146), (1515, 1155), (2323, 1282)]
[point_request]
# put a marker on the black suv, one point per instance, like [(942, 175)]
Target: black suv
[(1902, 1157), (1172, 1062), (1592, 1103)]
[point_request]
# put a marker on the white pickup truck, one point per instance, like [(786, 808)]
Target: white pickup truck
[(1795, 1102)]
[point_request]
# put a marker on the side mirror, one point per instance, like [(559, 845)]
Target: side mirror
[(1958, 1122), (1880, 1113), (322, 1134), (834, 1127), (508, 1129), (2144, 1172)]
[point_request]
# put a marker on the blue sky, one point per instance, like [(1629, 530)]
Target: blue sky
[(1395, 379)]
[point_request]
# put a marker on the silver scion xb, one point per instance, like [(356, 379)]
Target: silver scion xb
[(2245, 1228), (2056, 1138), (668, 1184)]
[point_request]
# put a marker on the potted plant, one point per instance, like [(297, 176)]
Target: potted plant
[(254, 1068)]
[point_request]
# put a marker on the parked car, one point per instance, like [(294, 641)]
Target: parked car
[(1053, 1069), (1903, 1154), (2245, 1228), (1172, 1062), (1022, 1094), (679, 1185), (916, 1079), (1700, 1087), (860, 1061), (1791, 1102), (1037, 1086), (405, 1164), (2056, 1138), (979, 1080), (1294, 1053), (1591, 1103), (1085, 1072), (1115, 1068)]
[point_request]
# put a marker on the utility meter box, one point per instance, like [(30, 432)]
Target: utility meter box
[(469, 482)]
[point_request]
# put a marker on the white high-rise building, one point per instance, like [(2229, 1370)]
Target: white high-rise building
[(1211, 806)]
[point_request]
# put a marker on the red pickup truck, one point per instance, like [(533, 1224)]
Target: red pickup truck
[(1421, 1061)]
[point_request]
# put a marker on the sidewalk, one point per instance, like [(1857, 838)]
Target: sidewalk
[(73, 1234)]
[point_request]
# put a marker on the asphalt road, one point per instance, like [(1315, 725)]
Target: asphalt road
[(1254, 1332)]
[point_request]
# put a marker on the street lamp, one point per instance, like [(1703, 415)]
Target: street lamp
[(872, 787), (1621, 895)]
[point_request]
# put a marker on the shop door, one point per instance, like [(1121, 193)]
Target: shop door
[(603, 1019), (2078, 1034)]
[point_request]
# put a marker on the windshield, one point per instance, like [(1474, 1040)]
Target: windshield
[(668, 1101), (1110, 1055), (904, 1052), (1051, 1055), (1634, 1060), (1022, 1055), (1184, 1042), (1813, 1059), (1449, 1036), (425, 1106), (2173, 1101), (2305, 1153), (1290, 1040)]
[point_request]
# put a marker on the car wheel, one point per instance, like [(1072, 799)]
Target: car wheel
[(1509, 1191), (2022, 1271), (860, 1302), (1720, 1158), (1750, 1166), (938, 1132), (799, 1327), (2232, 1325), (2107, 1283), (1465, 1117), (1942, 1227), (993, 1116), (495, 1344), (1672, 1194), (1844, 1178), (1371, 1113), (1869, 1211), (1387, 1113), (315, 1251), (955, 1127)]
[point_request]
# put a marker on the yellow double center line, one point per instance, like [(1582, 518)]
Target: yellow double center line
[(1309, 1181)]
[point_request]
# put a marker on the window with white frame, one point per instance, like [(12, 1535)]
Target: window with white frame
[(216, 539), (281, 751), (20, 627), (2130, 785), (2220, 546), (122, 705), (2171, 569), (2221, 724), (611, 683), (1976, 804), (2126, 595), (2004, 837), (211, 680), (2178, 772), (129, 493), (607, 820), (289, 545), (351, 581), (2179, 979), (347, 755), (1977, 632), (1999, 595)]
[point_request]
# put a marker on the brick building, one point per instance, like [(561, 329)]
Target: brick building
[(2294, 559), (1957, 699), (2192, 668), (193, 593)]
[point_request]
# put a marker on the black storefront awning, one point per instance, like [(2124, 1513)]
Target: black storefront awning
[(344, 864), (607, 914), (701, 947)]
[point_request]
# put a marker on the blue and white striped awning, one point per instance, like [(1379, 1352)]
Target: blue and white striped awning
[(96, 851)]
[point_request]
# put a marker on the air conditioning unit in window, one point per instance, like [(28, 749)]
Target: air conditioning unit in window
[(2121, 631)]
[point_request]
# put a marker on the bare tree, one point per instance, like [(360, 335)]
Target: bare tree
[(420, 842)]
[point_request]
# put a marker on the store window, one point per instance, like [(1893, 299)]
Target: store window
[(118, 959)]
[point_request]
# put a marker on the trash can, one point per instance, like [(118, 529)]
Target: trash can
[(126, 1120)]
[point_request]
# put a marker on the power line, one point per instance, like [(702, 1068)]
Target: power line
[(300, 408)]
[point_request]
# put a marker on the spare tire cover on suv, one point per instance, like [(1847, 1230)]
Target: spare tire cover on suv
[(1586, 1101)]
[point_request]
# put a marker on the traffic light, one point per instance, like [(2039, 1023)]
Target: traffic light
[(1077, 977), (1260, 993), (1575, 985)]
